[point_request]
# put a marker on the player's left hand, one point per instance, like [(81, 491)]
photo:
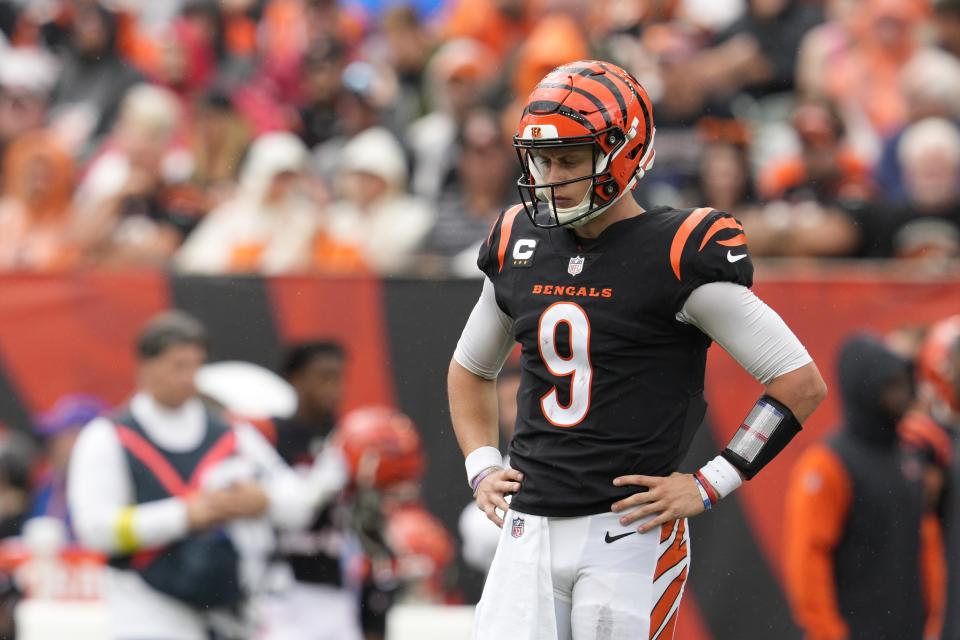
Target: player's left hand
[(675, 496)]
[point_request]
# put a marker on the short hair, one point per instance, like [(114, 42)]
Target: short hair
[(933, 75), (929, 134), (167, 330), (152, 108), (300, 355)]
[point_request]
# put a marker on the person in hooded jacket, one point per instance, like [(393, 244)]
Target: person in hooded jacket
[(854, 506), (93, 79), (267, 227), (374, 215)]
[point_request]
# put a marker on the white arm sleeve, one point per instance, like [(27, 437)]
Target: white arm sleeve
[(292, 500), (99, 486), (487, 339), (750, 331)]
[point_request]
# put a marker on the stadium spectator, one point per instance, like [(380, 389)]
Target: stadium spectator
[(35, 210), (866, 83), (268, 226), (26, 77), (457, 79), (854, 507), (928, 225), (407, 44), (826, 170), (186, 61), (946, 23), (287, 30), (724, 168), (318, 605), (126, 215), (758, 52), (218, 142), (466, 211), (364, 102), (500, 25), (59, 427), (809, 193), (825, 45), (374, 213), (176, 498), (322, 70), (93, 79), (930, 84)]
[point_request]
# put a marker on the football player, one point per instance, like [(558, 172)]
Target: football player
[(938, 369), (614, 308)]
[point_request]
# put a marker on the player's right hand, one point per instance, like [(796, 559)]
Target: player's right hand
[(492, 492)]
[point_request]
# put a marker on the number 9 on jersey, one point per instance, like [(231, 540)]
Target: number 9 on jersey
[(576, 366)]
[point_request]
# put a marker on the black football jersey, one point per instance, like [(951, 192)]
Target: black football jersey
[(611, 382)]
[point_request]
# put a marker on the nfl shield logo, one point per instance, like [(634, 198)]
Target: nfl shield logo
[(517, 529), (576, 265)]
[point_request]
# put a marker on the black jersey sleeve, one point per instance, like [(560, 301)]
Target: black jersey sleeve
[(494, 247), (709, 246)]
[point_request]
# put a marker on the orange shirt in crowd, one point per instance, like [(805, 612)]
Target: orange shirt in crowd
[(35, 210), (333, 257), (480, 20), (781, 177)]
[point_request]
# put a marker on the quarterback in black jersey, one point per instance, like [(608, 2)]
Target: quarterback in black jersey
[(614, 308)]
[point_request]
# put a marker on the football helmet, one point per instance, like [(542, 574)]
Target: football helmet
[(381, 446), (938, 362), (593, 103), (423, 548)]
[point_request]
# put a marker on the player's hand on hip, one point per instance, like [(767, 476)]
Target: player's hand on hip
[(492, 492), (667, 499)]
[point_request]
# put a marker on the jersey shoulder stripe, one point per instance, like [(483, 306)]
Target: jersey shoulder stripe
[(683, 234), (721, 224), (506, 227)]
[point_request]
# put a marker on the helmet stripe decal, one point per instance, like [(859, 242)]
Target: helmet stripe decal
[(586, 94), (551, 106), (605, 81), (647, 120)]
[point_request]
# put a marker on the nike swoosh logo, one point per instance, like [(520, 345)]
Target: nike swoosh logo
[(733, 258), (609, 538)]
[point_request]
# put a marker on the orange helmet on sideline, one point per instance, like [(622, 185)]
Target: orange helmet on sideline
[(381, 446), (938, 363), (423, 547)]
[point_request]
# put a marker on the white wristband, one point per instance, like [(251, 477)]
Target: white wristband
[(722, 475), (480, 459)]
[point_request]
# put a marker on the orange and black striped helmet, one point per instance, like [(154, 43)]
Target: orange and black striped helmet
[(588, 102), (938, 364)]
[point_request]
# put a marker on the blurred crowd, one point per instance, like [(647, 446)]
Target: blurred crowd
[(326, 136)]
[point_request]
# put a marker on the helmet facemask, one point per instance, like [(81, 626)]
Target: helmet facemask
[(603, 190)]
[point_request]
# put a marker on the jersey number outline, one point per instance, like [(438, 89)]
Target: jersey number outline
[(577, 366)]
